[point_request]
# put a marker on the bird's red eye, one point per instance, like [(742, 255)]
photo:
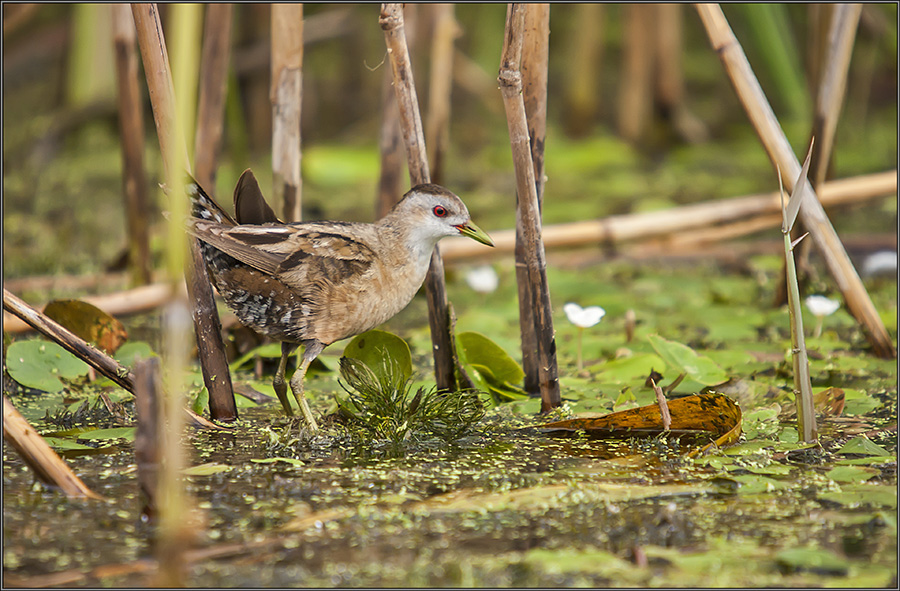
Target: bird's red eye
[(439, 211)]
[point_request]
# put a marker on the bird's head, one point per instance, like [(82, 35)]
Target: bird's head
[(431, 212)]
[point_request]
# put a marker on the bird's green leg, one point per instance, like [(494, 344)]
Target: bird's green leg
[(278, 383), (311, 351)]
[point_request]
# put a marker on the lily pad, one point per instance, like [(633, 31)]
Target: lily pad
[(815, 560), (683, 359), (377, 347), (863, 445), (481, 350), (40, 365)]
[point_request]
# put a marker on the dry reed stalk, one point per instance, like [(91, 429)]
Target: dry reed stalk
[(534, 66), (687, 218), (286, 94), (43, 461), (667, 55), (532, 284), (214, 61), (437, 125), (833, 85), (584, 51), (780, 152), (131, 128), (636, 91), (207, 326), (147, 435), (391, 21)]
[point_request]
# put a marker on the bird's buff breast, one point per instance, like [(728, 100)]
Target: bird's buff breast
[(367, 303)]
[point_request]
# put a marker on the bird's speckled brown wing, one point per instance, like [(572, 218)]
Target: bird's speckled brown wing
[(298, 253)]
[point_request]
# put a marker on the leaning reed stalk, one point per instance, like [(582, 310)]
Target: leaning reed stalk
[(391, 21), (833, 85), (780, 152), (131, 128), (39, 456), (533, 286), (286, 93)]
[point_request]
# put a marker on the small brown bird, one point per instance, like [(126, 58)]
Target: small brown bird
[(314, 283)]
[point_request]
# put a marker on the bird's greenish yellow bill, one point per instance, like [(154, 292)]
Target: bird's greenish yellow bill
[(475, 233)]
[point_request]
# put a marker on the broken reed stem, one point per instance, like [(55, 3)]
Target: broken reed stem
[(35, 452), (535, 60), (131, 129), (214, 61), (391, 21), (286, 94), (663, 406), (147, 395), (207, 326), (532, 285), (441, 76), (780, 152)]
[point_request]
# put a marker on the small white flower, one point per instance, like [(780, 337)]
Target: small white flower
[(820, 306), (483, 279), (881, 262), (583, 317)]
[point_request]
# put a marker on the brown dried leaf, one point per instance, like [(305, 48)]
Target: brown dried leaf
[(88, 322), (712, 413)]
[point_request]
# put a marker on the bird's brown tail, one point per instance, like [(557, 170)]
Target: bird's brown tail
[(204, 207)]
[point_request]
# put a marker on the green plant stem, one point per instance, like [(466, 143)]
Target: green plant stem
[(806, 417), (580, 365)]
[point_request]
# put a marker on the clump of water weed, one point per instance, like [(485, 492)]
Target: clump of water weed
[(383, 405)]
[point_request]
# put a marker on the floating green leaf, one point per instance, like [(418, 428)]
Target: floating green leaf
[(683, 359), (126, 433), (852, 473), (40, 364), (129, 353), (863, 445), (292, 461), (492, 369), (811, 559), (377, 347)]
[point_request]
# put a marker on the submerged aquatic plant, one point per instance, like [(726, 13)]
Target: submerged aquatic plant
[(383, 404)]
